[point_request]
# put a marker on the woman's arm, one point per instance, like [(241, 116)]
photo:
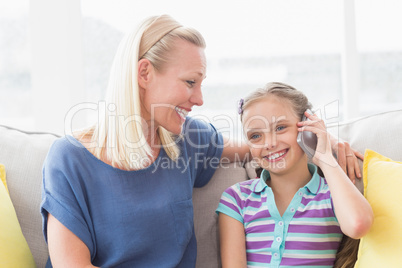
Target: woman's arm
[(65, 248), (232, 242), (352, 210), (234, 151), (347, 158)]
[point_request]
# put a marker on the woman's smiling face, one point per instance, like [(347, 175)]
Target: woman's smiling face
[(271, 132), (172, 92)]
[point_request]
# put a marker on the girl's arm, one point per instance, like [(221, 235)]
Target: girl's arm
[(232, 242), (65, 248), (352, 210)]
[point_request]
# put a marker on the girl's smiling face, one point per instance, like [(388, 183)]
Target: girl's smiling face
[(271, 132)]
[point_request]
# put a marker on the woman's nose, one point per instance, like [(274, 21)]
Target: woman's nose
[(196, 97)]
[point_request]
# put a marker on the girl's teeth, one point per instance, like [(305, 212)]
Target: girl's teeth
[(275, 156)]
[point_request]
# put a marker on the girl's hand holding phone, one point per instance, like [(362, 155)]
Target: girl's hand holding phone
[(345, 155), (323, 153)]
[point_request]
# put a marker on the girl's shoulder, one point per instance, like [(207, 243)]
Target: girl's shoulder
[(248, 183), (243, 188)]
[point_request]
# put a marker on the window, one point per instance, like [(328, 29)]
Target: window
[(248, 45), (380, 54), (15, 72)]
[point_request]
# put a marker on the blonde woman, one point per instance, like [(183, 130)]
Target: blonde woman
[(119, 194)]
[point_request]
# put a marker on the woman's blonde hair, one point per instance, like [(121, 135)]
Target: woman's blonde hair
[(124, 145)]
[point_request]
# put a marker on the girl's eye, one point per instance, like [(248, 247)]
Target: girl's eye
[(190, 83), (279, 128), (254, 136)]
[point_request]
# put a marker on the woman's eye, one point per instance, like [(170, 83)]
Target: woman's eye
[(190, 83)]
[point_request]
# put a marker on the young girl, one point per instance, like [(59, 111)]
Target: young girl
[(290, 216)]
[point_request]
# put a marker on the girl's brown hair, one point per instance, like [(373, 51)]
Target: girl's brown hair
[(347, 253), (296, 98)]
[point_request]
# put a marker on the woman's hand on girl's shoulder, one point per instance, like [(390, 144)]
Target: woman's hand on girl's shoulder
[(348, 158)]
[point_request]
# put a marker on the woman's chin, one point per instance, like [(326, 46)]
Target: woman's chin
[(175, 130)]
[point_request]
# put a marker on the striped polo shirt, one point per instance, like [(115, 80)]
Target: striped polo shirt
[(307, 234)]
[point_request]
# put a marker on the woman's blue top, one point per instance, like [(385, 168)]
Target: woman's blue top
[(131, 219)]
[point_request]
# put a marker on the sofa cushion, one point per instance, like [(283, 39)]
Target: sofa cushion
[(3, 177), (379, 132), (382, 247), (23, 154), (14, 250)]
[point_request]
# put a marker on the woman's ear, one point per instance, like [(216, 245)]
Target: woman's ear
[(144, 72)]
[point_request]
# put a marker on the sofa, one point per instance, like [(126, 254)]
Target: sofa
[(22, 154)]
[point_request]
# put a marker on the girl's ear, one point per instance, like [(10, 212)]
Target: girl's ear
[(144, 72)]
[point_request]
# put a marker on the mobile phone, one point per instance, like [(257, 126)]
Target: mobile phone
[(307, 140)]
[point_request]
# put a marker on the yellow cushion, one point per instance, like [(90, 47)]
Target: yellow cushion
[(382, 246), (3, 176), (14, 250)]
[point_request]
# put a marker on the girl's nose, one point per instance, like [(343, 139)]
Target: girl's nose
[(270, 141)]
